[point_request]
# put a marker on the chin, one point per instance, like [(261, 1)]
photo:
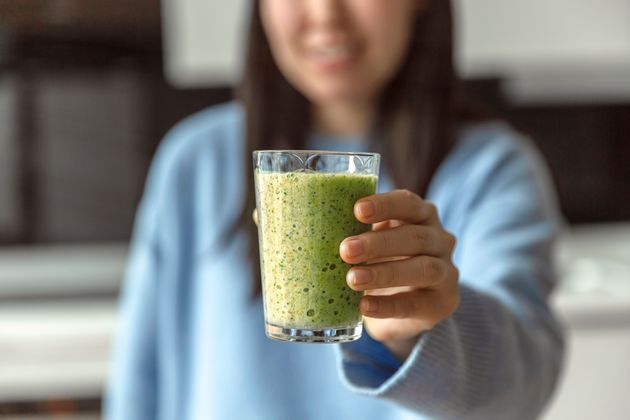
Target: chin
[(334, 95)]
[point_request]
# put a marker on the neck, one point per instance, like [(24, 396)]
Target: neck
[(344, 120)]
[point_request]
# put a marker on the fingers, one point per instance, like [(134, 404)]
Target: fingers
[(255, 216), (397, 204), (421, 272), (428, 305), (406, 240)]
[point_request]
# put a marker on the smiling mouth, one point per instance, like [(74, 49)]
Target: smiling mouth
[(333, 57), (337, 51)]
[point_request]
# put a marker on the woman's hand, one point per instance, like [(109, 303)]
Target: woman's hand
[(410, 282)]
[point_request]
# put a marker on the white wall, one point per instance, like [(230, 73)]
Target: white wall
[(202, 41), (508, 37), (509, 34)]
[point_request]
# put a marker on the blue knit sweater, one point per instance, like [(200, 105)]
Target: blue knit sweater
[(191, 341)]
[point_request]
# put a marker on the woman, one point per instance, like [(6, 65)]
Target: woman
[(454, 331)]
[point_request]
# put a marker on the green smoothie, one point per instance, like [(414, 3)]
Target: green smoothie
[(304, 216)]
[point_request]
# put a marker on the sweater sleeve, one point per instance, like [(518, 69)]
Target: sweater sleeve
[(132, 385), (499, 355), (177, 219)]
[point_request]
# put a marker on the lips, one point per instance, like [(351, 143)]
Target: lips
[(331, 57), (333, 52)]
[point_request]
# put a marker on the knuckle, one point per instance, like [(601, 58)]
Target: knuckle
[(453, 304), (392, 276), (430, 270), (403, 308), (451, 241), (455, 276), (416, 201), (420, 236), (381, 244), (380, 207), (415, 306), (418, 208), (411, 201), (453, 299), (411, 197), (407, 194), (385, 307), (398, 309)]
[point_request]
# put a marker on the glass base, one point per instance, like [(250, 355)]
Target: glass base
[(305, 335)]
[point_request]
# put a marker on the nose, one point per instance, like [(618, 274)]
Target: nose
[(325, 13)]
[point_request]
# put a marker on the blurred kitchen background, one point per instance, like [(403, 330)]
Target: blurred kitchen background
[(88, 87)]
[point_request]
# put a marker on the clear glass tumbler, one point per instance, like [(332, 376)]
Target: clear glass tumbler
[(305, 202)]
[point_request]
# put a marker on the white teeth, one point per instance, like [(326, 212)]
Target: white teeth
[(333, 52)]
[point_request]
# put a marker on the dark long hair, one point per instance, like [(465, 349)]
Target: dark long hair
[(415, 127)]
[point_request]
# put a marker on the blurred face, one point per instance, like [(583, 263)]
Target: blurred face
[(339, 51)]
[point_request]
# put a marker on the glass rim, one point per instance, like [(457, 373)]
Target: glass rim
[(316, 152)]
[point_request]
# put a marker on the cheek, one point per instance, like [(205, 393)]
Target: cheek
[(387, 27), (387, 48), (280, 20), (387, 53)]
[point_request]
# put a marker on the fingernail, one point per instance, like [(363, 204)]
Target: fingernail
[(359, 276), (369, 305), (366, 209), (353, 247)]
